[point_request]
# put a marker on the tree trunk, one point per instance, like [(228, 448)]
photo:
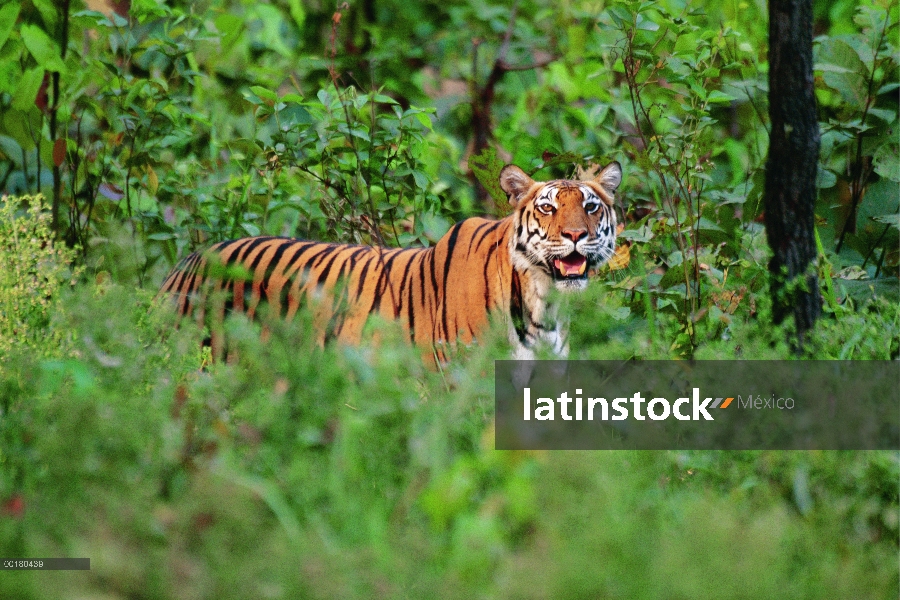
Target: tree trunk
[(790, 192)]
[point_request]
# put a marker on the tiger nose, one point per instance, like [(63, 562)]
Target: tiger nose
[(574, 234)]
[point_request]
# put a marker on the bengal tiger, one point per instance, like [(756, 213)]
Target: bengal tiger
[(558, 231)]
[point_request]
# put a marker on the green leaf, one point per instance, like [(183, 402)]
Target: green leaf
[(645, 24), (673, 276), (384, 99), (293, 115), (27, 89), (880, 200), (825, 178), (421, 179), (297, 13), (884, 287), (42, 48), (893, 219), (264, 93), (641, 235), (18, 124), (142, 9), (885, 114), (719, 97), (425, 120), (161, 236), (270, 34), (230, 27), (12, 150), (621, 16), (843, 70), (8, 16), (486, 167), (49, 11), (887, 162), (136, 88), (566, 158)]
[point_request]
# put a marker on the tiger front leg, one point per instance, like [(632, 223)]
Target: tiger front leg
[(553, 335)]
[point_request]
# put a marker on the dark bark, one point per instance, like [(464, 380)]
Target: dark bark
[(790, 192), (63, 10), (482, 126)]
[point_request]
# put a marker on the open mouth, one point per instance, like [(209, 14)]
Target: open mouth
[(573, 266)]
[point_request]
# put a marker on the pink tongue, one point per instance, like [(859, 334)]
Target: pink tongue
[(571, 265)]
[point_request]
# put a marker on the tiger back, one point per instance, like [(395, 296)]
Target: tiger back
[(557, 233)]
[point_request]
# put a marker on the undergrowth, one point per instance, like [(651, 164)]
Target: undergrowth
[(298, 471)]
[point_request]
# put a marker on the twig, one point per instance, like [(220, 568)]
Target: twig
[(63, 9)]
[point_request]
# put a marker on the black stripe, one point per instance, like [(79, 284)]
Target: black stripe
[(313, 261), (451, 247), (487, 284), (492, 227), (424, 298), (411, 310), (474, 234), (326, 269), (434, 293), (343, 301), (362, 276), (406, 272), (385, 281), (276, 258), (515, 307), (256, 262), (248, 245), (300, 262)]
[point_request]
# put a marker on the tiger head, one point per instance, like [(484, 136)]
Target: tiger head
[(562, 229)]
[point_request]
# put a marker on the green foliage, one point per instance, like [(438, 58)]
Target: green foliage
[(859, 168), (355, 472), (678, 135), (35, 272), (363, 164)]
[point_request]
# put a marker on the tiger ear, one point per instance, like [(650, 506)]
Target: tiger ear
[(610, 177), (515, 182)]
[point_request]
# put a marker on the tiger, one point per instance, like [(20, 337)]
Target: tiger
[(442, 295)]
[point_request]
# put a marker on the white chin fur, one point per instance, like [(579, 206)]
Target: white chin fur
[(571, 285)]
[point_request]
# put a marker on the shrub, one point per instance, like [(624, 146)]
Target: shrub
[(35, 270)]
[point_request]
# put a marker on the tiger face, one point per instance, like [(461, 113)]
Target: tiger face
[(562, 229)]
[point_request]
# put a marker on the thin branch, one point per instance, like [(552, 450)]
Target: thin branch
[(63, 10)]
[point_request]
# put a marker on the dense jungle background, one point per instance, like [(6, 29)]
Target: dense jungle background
[(133, 132)]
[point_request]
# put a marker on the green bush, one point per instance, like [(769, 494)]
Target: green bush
[(36, 269)]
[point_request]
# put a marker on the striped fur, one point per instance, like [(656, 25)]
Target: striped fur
[(443, 294)]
